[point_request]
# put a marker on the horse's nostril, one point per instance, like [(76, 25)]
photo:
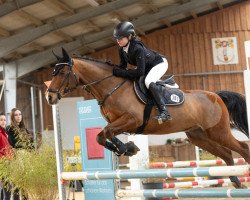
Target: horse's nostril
[(50, 97)]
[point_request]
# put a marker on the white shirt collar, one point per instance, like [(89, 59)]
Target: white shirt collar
[(126, 48)]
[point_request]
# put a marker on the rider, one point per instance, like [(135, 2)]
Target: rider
[(148, 62)]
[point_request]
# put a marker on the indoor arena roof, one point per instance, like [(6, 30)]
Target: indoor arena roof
[(30, 29)]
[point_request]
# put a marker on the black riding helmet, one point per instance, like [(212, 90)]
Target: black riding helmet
[(123, 29)]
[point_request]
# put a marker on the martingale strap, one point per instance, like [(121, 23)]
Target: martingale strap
[(146, 115), (100, 103)]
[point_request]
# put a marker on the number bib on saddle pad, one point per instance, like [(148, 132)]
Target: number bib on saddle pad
[(172, 96)]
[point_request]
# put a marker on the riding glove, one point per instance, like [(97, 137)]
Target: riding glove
[(118, 71)]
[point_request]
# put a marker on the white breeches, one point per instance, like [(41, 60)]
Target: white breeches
[(156, 72)]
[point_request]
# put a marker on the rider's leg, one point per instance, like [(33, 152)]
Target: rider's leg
[(154, 75), (163, 112)]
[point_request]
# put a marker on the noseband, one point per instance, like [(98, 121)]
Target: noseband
[(67, 89)]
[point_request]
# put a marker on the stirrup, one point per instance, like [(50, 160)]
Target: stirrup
[(162, 119)]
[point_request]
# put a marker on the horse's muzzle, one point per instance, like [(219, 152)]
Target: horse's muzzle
[(52, 98)]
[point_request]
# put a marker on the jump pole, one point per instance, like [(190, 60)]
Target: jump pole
[(186, 193), (202, 183), (158, 173), (192, 163)]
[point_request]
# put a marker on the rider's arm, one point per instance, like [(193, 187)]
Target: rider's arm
[(134, 73)]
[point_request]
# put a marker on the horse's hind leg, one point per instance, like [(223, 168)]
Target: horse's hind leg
[(224, 137), (200, 139)]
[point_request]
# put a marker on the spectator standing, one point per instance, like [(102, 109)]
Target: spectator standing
[(4, 151), (18, 134), (4, 143), (18, 137)]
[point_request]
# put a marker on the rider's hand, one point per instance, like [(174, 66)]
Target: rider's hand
[(116, 71)]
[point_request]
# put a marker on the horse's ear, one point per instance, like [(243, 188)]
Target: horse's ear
[(57, 57), (66, 56)]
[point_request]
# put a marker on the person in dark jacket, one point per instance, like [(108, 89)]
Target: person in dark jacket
[(18, 134), (149, 63), (19, 138)]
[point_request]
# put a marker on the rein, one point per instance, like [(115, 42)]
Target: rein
[(101, 102)]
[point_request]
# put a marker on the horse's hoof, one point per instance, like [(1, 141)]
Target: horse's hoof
[(236, 182), (132, 149), (241, 186), (118, 154)]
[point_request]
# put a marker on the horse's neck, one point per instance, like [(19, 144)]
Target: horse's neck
[(90, 72)]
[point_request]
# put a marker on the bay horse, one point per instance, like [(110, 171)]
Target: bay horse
[(204, 116)]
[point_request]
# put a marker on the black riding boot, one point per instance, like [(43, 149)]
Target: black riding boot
[(163, 112)]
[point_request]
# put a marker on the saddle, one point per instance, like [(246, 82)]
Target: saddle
[(168, 88)]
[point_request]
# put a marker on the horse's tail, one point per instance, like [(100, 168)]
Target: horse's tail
[(236, 105)]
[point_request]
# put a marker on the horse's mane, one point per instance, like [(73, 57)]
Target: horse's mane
[(103, 61)]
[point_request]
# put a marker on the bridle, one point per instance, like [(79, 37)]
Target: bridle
[(67, 89), (86, 87)]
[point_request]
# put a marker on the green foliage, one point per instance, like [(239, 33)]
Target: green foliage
[(33, 171), (24, 139), (204, 155), (68, 167)]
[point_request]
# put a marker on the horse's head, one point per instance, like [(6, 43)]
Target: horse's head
[(64, 79)]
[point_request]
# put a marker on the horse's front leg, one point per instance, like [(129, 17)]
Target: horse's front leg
[(102, 140), (125, 123)]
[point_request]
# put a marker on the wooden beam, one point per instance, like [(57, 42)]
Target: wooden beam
[(120, 16), (36, 46), (9, 44), (63, 35), (3, 32), (30, 17), (86, 47), (194, 15), (2, 1), (150, 5), (112, 40), (115, 19), (92, 25), (93, 3), (166, 22), (16, 55), (220, 6), (103, 2), (140, 31), (62, 6), (185, 1)]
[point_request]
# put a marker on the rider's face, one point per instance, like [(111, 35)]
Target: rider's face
[(122, 42)]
